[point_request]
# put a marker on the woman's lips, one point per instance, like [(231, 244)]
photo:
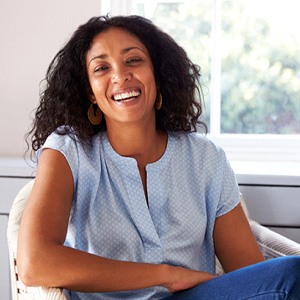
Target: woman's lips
[(126, 96)]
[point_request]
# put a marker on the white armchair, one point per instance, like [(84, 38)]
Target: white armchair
[(272, 245), (19, 290)]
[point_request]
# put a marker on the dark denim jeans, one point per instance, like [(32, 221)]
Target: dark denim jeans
[(277, 278)]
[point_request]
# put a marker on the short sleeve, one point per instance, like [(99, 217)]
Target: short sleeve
[(65, 145), (230, 194)]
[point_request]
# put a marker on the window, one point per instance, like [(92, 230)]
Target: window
[(248, 53)]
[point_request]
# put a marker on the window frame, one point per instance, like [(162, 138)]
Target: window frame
[(238, 147)]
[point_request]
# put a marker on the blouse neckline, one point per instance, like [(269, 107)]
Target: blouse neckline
[(129, 161)]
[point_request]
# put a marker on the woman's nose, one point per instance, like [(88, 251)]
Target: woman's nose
[(121, 74)]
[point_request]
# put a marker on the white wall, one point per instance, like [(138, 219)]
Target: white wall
[(31, 33)]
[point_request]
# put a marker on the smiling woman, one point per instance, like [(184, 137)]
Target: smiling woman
[(134, 204)]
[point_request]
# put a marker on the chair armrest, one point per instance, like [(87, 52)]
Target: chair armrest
[(45, 293), (19, 290), (40, 293), (273, 244)]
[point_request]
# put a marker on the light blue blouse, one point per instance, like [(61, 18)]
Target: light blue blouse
[(188, 188)]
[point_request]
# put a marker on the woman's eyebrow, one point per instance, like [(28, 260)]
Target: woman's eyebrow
[(123, 51), (101, 56)]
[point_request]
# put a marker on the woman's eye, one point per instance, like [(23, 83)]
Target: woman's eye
[(100, 68), (133, 60)]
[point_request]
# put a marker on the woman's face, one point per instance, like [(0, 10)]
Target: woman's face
[(121, 75)]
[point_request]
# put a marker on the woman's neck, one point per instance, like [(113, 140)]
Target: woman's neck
[(144, 143)]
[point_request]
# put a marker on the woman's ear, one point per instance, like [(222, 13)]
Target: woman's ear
[(92, 98), (91, 95)]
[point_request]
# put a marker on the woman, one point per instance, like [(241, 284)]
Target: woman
[(129, 202)]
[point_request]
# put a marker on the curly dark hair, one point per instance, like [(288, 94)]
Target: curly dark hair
[(65, 101)]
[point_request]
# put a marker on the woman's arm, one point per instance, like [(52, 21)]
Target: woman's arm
[(235, 244), (43, 260)]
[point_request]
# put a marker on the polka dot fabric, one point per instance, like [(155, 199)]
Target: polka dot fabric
[(188, 188)]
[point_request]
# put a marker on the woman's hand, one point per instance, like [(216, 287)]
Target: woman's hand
[(183, 279)]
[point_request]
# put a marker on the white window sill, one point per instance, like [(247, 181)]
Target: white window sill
[(16, 167), (263, 147), (263, 159), (267, 173)]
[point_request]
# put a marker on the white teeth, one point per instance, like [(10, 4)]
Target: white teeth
[(126, 95)]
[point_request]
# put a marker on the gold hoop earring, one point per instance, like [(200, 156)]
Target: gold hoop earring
[(94, 114), (158, 103)]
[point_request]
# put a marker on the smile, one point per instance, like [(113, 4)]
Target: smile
[(126, 96)]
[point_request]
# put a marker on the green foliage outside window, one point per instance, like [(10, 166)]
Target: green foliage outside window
[(260, 74)]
